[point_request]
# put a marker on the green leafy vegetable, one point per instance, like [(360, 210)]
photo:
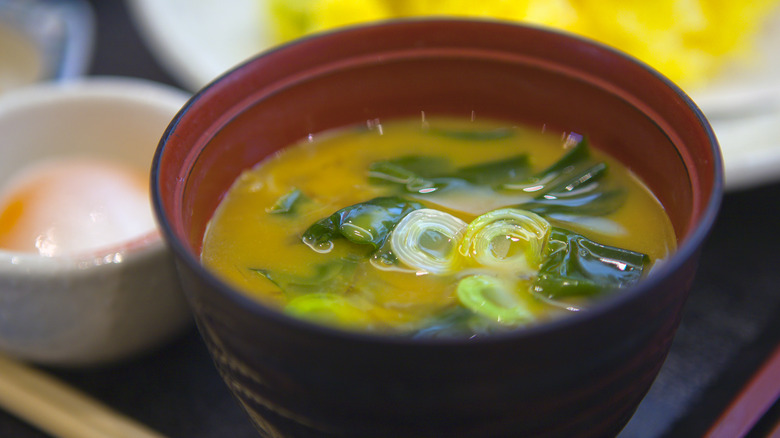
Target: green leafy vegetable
[(582, 195), (383, 258), (332, 277), (578, 266), (451, 322), (458, 322), (319, 236), (577, 157), (288, 202), (573, 185), (413, 172), (516, 244), (425, 174), (496, 172), (365, 223), (411, 166)]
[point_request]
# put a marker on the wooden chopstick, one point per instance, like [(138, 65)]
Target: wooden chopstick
[(61, 410), (755, 399)]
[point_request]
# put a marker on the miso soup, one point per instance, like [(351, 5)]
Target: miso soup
[(436, 228)]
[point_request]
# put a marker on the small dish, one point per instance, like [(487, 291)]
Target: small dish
[(108, 303), (197, 46)]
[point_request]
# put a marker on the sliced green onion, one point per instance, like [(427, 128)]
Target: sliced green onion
[(427, 240), (493, 298), (326, 308), (508, 239)]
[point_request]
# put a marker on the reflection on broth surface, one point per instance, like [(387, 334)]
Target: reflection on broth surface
[(443, 228)]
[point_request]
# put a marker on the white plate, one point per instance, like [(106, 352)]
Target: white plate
[(197, 40)]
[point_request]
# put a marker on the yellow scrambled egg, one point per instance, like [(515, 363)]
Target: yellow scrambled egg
[(687, 40)]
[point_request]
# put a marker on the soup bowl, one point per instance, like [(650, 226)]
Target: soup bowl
[(583, 375)]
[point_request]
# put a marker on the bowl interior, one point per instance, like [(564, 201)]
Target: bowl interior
[(455, 68)]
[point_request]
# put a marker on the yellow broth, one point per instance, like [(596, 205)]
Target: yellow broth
[(246, 239)]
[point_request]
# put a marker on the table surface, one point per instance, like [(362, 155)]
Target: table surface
[(728, 329)]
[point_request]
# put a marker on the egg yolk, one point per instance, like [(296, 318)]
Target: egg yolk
[(74, 206)]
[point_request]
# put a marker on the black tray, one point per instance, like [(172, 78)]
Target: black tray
[(729, 327)]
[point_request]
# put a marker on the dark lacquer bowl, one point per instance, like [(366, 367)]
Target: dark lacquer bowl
[(580, 376)]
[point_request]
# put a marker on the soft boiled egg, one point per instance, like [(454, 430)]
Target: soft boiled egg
[(74, 206)]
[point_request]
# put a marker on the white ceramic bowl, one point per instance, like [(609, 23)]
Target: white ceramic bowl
[(104, 305)]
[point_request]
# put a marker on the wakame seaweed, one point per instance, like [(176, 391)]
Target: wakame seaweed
[(289, 202), (572, 185), (496, 172), (456, 232), (418, 174), (412, 172), (365, 223), (581, 194), (331, 277), (578, 266)]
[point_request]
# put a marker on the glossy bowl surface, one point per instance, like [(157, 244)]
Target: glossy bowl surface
[(114, 302), (580, 376)]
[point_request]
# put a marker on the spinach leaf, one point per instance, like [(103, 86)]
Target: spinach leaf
[(334, 276), (365, 223), (578, 266)]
